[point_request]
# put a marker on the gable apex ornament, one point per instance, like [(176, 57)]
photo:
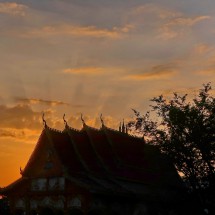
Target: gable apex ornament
[(20, 170), (82, 119), (44, 121)]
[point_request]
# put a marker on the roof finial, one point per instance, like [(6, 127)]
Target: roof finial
[(82, 119), (44, 121), (65, 122), (102, 121), (20, 169)]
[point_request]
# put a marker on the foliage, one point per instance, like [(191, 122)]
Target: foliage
[(185, 131)]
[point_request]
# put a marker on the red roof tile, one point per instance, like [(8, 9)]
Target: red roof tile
[(130, 150), (102, 148), (80, 140), (66, 151)]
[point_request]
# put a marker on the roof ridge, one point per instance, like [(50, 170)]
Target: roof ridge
[(54, 129), (73, 129), (95, 129), (121, 133)]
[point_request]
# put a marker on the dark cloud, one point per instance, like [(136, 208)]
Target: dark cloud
[(19, 117)]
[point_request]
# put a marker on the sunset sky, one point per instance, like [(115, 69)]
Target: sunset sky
[(93, 57)]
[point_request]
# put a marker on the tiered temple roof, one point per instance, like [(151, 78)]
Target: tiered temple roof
[(104, 160)]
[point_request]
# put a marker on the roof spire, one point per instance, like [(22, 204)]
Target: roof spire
[(44, 121), (65, 122), (102, 121), (123, 127), (120, 127)]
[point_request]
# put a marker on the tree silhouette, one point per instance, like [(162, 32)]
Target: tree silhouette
[(185, 132)]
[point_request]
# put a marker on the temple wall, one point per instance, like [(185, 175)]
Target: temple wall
[(75, 206)]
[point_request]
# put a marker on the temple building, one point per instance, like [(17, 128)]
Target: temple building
[(94, 172)]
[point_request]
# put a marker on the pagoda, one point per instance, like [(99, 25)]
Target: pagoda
[(94, 172)]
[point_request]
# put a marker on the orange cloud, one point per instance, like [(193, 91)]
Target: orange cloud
[(12, 8), (83, 31), (157, 72), (21, 123), (170, 23), (94, 70), (177, 26), (19, 116), (23, 135), (186, 21), (84, 70), (208, 72), (151, 75), (202, 49), (40, 101), (154, 9)]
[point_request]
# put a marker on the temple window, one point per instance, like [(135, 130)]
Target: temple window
[(38, 184), (59, 204), (20, 203), (57, 183), (33, 204), (75, 202)]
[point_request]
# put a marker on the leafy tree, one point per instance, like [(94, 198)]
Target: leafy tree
[(185, 132)]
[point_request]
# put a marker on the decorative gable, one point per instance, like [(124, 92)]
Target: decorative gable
[(44, 161)]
